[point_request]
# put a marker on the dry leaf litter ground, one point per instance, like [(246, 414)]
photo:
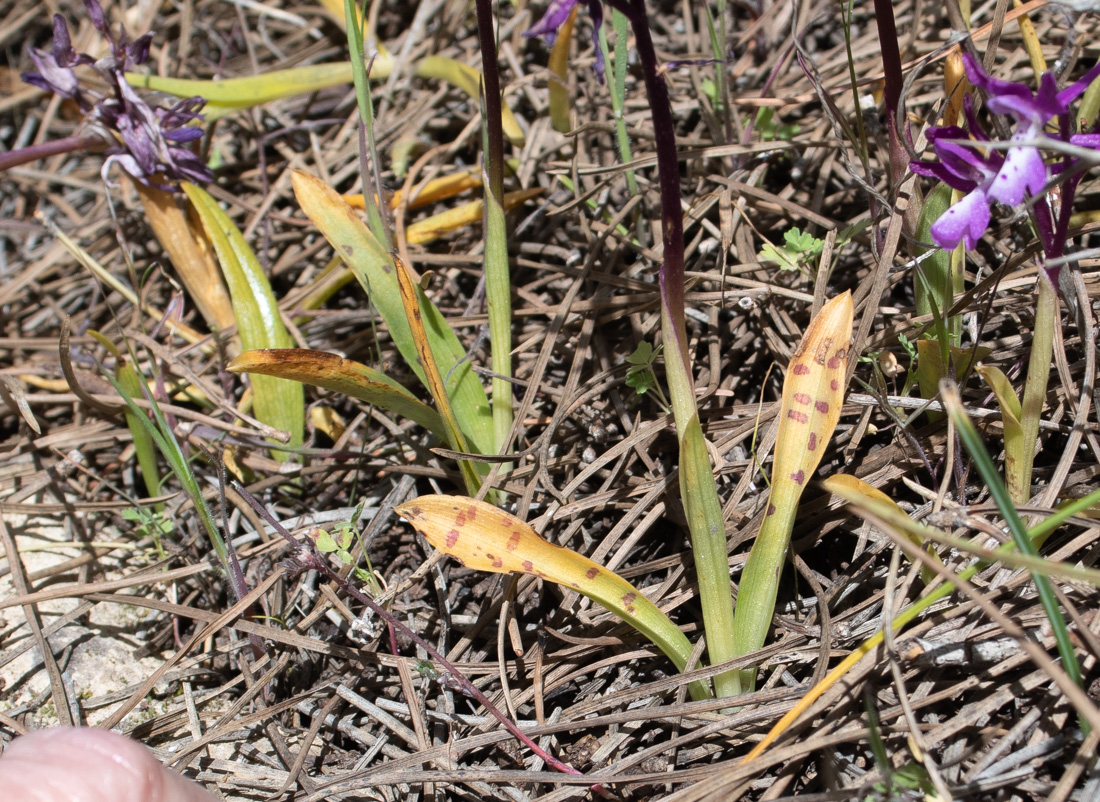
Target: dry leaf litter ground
[(144, 643)]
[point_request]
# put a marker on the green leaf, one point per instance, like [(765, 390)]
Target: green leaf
[(785, 259), (643, 355), (325, 543), (277, 402)]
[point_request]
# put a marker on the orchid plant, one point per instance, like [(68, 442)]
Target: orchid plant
[(1014, 173), (151, 143)]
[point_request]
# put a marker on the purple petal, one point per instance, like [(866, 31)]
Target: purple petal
[(994, 87), (972, 124), (595, 10), (187, 166), (1070, 93), (942, 173), (1023, 173), (966, 221), (51, 76), (188, 134), (138, 51), (1027, 110), (1086, 140), (556, 14), (62, 44), (139, 143), (961, 158)]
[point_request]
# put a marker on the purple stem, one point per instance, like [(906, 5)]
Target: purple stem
[(490, 71), (894, 81), (306, 557), (668, 168), (32, 153)]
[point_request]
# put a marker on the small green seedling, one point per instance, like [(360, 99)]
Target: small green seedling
[(640, 375), (799, 252), (769, 128), (339, 542), (151, 523)]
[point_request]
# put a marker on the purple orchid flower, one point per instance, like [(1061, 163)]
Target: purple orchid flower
[(148, 143), (555, 16), (965, 161)]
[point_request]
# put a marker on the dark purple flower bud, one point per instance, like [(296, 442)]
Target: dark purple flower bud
[(55, 71), (95, 12), (62, 43), (555, 16), (150, 142), (138, 51)]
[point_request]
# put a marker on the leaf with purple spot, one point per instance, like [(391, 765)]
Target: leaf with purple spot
[(486, 538)]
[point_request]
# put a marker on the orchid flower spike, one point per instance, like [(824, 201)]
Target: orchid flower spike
[(147, 141), (966, 163)]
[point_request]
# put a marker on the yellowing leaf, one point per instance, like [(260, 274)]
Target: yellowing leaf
[(813, 393), (812, 396), (410, 298), (193, 261), (469, 81), (434, 227), (429, 192), (559, 68), (485, 538), (849, 486), (340, 375), (228, 95)]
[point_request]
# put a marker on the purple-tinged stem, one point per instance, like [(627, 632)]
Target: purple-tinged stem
[(698, 489), (32, 153), (490, 71), (894, 82)]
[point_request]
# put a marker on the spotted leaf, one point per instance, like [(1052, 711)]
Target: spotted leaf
[(485, 538), (812, 396)]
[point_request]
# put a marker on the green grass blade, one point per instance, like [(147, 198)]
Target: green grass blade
[(165, 440), (969, 435), (277, 402), (354, 22)]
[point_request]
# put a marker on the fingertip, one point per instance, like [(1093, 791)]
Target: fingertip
[(63, 764)]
